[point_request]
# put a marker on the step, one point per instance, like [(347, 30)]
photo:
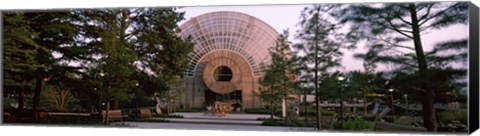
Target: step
[(214, 121)]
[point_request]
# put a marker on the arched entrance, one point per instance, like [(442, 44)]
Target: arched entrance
[(229, 58)]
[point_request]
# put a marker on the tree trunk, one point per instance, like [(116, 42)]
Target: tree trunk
[(305, 105), (107, 108), (428, 109), (36, 98), (272, 109), (365, 106), (286, 107), (107, 121), (21, 96), (168, 103), (317, 92)]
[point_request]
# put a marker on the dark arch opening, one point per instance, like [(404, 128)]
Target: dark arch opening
[(222, 74)]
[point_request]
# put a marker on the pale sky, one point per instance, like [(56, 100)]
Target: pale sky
[(282, 17)]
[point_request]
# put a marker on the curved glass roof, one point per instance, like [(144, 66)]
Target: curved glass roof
[(234, 31)]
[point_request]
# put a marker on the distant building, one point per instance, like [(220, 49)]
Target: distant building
[(229, 58)]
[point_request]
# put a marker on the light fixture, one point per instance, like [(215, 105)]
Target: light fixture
[(341, 78), (390, 90)]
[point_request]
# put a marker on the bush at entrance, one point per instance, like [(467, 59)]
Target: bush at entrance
[(292, 123), (354, 124), (278, 112)]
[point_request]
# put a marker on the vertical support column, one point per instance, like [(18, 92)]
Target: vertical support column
[(247, 92), (187, 96), (284, 108)]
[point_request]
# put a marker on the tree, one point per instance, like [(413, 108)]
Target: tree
[(280, 78), (365, 83), (58, 97), (177, 87), (321, 51), (447, 79), (387, 26), (45, 33), (130, 41), (20, 52)]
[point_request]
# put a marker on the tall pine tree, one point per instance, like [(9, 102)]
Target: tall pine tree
[(387, 26)]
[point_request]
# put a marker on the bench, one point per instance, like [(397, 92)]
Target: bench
[(113, 115), (145, 112)]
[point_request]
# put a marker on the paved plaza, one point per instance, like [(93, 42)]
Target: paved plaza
[(198, 126), (200, 121)]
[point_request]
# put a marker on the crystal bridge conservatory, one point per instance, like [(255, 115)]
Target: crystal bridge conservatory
[(228, 60)]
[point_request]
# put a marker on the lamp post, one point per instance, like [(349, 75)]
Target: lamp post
[(305, 101), (101, 74), (136, 106), (341, 79), (391, 99), (406, 102), (101, 99)]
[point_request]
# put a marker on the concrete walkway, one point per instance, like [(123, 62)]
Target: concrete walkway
[(194, 126), (215, 121), (200, 121), (231, 116)]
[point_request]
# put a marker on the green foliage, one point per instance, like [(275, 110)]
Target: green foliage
[(406, 121), (389, 27), (146, 120), (311, 112), (188, 110), (443, 81), (136, 45), (449, 117), (19, 49), (57, 98), (168, 116), (321, 42), (292, 123), (124, 44), (279, 80), (357, 124), (257, 111), (70, 120), (36, 37), (8, 103)]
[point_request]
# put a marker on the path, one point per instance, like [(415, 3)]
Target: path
[(199, 121)]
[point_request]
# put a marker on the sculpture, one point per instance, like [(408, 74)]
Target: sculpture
[(161, 103), (220, 108)]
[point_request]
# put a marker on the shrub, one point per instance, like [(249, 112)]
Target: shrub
[(355, 124), (69, 120), (168, 116), (257, 111), (291, 123), (406, 121), (278, 112), (189, 110), (454, 126), (146, 120), (449, 117)]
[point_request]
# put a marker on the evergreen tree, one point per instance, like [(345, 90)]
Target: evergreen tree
[(45, 33), (280, 78), (132, 41), (320, 42), (387, 26), (19, 55)]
